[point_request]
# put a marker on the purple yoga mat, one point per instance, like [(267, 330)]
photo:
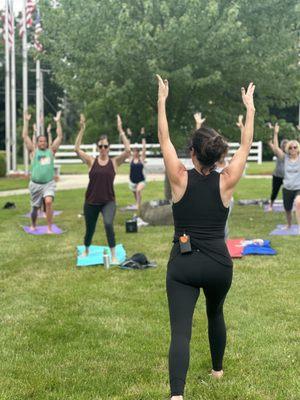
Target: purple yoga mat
[(279, 231), (276, 208), (42, 215), (42, 230)]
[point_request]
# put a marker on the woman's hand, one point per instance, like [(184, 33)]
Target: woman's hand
[(129, 132), (276, 128), (58, 116), (27, 116), (163, 88), (247, 97), (240, 123), (199, 120)]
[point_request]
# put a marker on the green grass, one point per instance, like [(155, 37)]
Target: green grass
[(266, 168), (81, 169), (91, 334), (13, 183), (253, 168)]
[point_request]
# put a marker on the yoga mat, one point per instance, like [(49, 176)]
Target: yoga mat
[(277, 207), (235, 247), (42, 230), (95, 256), (262, 250), (42, 215), (279, 231), (132, 207)]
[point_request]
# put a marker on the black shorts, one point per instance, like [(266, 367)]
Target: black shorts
[(289, 197)]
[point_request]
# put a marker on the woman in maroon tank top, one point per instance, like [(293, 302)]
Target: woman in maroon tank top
[(100, 195)]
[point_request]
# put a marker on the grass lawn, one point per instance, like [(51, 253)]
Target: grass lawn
[(13, 183), (91, 334), (82, 169), (266, 168)]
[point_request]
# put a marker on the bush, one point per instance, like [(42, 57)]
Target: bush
[(2, 164)]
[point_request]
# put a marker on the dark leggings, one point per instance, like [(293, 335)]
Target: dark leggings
[(276, 184), (91, 213), (186, 275)]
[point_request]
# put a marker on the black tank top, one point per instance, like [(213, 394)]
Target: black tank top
[(136, 172), (100, 189), (201, 214)]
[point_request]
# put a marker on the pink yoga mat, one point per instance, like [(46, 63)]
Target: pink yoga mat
[(42, 230), (235, 247)]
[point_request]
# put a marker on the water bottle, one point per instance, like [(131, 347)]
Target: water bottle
[(106, 260)]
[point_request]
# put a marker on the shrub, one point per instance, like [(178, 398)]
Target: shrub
[(2, 164)]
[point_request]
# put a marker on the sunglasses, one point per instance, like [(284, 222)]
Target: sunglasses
[(293, 147), (103, 146)]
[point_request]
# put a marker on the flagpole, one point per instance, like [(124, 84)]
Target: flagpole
[(13, 94), (38, 97), (25, 78), (7, 93), (42, 102)]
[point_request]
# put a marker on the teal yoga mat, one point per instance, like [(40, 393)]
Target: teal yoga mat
[(95, 256)]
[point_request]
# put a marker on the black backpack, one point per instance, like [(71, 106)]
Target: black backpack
[(137, 261)]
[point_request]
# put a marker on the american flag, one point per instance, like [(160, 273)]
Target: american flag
[(37, 32), (11, 24), (30, 8)]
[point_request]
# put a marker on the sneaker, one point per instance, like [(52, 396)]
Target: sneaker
[(140, 222)]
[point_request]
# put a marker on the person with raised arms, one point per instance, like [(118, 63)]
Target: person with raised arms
[(100, 194), (42, 184), (137, 180), (199, 257), (278, 173), (291, 180)]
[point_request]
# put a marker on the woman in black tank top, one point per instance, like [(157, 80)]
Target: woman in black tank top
[(100, 195), (137, 180), (199, 257)]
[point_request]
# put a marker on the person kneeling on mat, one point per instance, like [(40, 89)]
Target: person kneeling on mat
[(199, 257), (100, 195), (42, 184)]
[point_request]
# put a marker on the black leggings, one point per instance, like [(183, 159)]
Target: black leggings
[(186, 275), (91, 213), (276, 184)]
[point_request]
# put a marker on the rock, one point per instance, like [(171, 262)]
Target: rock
[(157, 212)]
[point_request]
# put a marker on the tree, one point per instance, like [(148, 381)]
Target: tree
[(106, 55)]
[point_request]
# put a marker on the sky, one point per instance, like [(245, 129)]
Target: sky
[(17, 4)]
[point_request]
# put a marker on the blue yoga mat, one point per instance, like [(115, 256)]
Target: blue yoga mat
[(257, 249), (95, 256), (280, 231)]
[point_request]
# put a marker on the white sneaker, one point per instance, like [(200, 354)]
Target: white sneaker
[(140, 222)]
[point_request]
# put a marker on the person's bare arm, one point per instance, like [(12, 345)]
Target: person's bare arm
[(34, 134), (232, 174), (174, 167), (198, 120), (86, 158), (58, 140), (25, 135), (126, 153), (49, 135), (144, 149), (277, 150)]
